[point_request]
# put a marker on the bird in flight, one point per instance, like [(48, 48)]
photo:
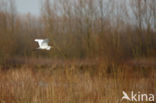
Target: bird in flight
[(43, 44)]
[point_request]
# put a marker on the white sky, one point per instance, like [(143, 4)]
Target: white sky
[(28, 6)]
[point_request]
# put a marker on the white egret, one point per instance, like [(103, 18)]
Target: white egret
[(43, 44)]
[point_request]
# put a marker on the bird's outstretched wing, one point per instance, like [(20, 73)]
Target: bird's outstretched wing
[(45, 43), (39, 41)]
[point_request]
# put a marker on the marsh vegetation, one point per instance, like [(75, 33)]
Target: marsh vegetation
[(100, 48)]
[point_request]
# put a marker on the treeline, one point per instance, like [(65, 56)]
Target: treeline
[(17, 31), (112, 29), (102, 28)]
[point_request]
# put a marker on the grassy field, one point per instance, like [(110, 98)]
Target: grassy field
[(75, 82), (99, 48)]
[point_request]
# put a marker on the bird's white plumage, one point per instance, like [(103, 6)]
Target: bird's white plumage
[(43, 44)]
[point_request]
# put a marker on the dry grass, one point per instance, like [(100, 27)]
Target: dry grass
[(74, 84)]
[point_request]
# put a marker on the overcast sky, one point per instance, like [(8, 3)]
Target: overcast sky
[(28, 6)]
